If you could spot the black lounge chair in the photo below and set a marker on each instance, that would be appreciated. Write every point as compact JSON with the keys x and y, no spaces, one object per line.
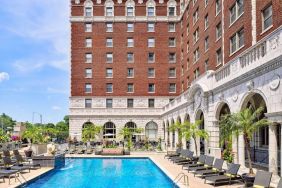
{"x":6,"y":153}
{"x":230,"y":175}
{"x":200,"y":162}
{"x":262,"y":179}
{"x":8,"y":164}
{"x":208,"y":165}
{"x":182,"y":155}
{"x":173,"y":154}
{"x":22,"y":162}
{"x":187,"y":158}
{"x":8,"y":173}
{"x":217,"y":168}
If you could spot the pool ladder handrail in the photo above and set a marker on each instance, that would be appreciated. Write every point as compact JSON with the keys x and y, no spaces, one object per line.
{"x":181,"y":176}
{"x":17,"y":175}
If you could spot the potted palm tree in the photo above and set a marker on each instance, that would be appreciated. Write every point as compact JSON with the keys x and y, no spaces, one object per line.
{"x":246,"y":122}
{"x":177,"y":126}
{"x":89,"y":133}
{"x":127,"y":134}
{"x":191,"y":130}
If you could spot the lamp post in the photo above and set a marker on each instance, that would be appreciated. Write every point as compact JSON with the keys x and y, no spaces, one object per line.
{"x":40,"y":115}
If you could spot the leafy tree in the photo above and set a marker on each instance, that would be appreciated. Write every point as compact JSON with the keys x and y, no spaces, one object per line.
{"x":246,"y":122}
{"x":90,"y":131}
{"x":191,"y":130}
{"x":66,"y":119}
{"x":127,"y":134}
{"x":33,"y":134}
{"x":6,"y":121}
{"x":3,"y":136}
{"x":63,"y":130}
{"x":177,"y":126}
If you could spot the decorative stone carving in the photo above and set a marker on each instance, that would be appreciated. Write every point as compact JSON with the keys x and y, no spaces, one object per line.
{"x":250,"y":85}
{"x":198,"y":99}
{"x":140,"y":1}
{"x":119,"y":1}
{"x":235,"y":96}
{"x":77,"y":2}
{"x":161,"y":1}
{"x":274,"y":82}
{"x":99,"y":2}
{"x":221,"y":96}
{"x":274,"y":42}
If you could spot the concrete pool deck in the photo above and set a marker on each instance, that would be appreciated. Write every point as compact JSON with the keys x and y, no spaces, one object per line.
{"x":169,"y":168}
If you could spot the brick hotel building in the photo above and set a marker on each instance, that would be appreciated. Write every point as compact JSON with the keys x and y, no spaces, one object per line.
{"x":150,"y":63}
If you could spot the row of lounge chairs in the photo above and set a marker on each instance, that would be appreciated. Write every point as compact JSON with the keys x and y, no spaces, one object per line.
{"x":80,"y":150}
{"x":211,"y":169}
{"x":12,"y":167}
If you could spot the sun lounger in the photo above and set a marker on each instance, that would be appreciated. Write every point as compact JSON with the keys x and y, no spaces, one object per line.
{"x":208,"y":165}
{"x":9,"y":164}
{"x":217,"y":168}
{"x":230,"y":175}
{"x":182,"y":155}
{"x":262,"y":179}
{"x":8,"y":173}
{"x":21,"y":161}
{"x":187,"y":158}
{"x":200,"y":162}
{"x":173,"y":154}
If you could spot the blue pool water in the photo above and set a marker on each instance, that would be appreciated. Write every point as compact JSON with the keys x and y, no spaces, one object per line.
{"x":105,"y":173}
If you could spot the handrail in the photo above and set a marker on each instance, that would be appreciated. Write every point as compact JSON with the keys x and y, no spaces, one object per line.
{"x":18,"y":174}
{"x":181,"y":176}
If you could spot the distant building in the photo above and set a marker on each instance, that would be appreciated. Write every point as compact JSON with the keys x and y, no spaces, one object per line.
{"x":19,"y":129}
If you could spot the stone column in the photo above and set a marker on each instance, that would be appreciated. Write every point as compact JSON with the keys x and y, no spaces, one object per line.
{"x":176,"y":139}
{"x":273,"y":149}
{"x":241,"y":150}
{"x":170,"y":138}
{"x":235,"y":148}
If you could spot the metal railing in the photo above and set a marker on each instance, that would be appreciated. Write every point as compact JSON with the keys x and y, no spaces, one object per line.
{"x":179,"y":177}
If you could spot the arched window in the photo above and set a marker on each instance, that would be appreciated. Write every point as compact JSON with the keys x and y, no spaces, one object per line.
{"x":171,"y":8}
{"x":151,"y":130}
{"x":88,"y":8}
{"x":109,"y":8}
{"x":151,"y":8}
{"x":131,"y":125}
{"x":130,"y":8}
{"x":109,"y":130}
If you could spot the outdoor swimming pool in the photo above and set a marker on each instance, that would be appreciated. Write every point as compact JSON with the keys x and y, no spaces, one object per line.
{"x":105,"y":173}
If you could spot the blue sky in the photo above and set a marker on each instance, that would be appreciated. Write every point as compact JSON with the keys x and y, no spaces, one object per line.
{"x":34,"y":59}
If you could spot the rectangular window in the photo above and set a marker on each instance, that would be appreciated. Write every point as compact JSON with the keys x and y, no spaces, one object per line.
{"x":172,"y":73}
{"x":206,"y":65}
{"x":88,"y":103}
{"x":182,"y":86}
{"x":88,"y":88}
{"x":267,"y":17}
{"x":196,"y":55}
{"x":151,"y":11}
{"x":88,"y":42}
{"x":196,"y":73}
{"x":172,"y":57}
{"x":171,"y":27}
{"x":217,"y":6}
{"x":130,"y":27}
{"x":236,"y":10}
{"x":151,"y":42}
{"x":109,"y":72}
{"x":130,"y":42}
{"x":129,"y":11}
{"x":151,"y":57}
{"x":109,"y":42}
{"x":151,"y":88}
{"x":187,"y":30}
{"x":206,"y":43}
{"x":88,"y":11}
{"x":130,"y":57}
{"x":151,"y":103}
{"x":109,"y":27}
{"x":130,"y":72}
{"x":206,"y":3}
{"x":206,"y":21}
{"x":218,"y":56}
{"x":218,"y":31}
{"x":88,"y":58}
{"x":109,"y":57}
{"x":88,"y":27}
{"x":151,"y":73}
{"x":151,"y":27}
{"x":130,"y":88}
{"x":109,"y":103}
{"x":172,"y":88}
{"x":196,"y":35}
{"x":130,"y":103}
{"x":88,"y":73}
{"x":171,"y":42}
{"x":109,"y":87}
{"x":188,"y":81}
{"x":171,"y":11}
{"x":109,"y":11}
{"x":237,"y":41}
{"x":182,"y":70}
{"x":196,"y":16}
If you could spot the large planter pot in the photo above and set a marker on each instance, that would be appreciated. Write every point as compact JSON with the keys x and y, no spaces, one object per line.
{"x":248,"y":179}
{"x":28,"y":153}
{"x":39,"y":149}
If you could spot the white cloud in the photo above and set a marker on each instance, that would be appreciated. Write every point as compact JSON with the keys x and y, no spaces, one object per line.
{"x":4,"y":76}
{"x":56,"y":108}
{"x":41,"y":21}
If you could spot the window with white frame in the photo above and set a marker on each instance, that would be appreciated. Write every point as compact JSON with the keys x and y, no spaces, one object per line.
{"x":130,"y":57}
{"x":109,"y":87}
{"x":218,"y":31}
{"x":172,"y":11}
{"x":194,"y":2}
{"x":151,"y":73}
{"x":129,"y":11}
{"x":88,"y":11}
{"x":217,"y":6}
{"x":171,"y":42}
{"x":130,"y":103}
{"x":150,"y":11}
{"x":130,"y":88}
{"x":130,"y":72}
{"x":206,"y":43}
{"x":187,"y":30}
{"x":171,"y":27}
{"x":267,"y":18}
{"x":151,"y":103}
{"x":172,"y":57}
{"x":130,"y":42}
{"x":151,"y":57}
{"x":172,"y":88}
{"x":196,"y":16}
{"x":196,"y":35}
{"x":218,"y":57}
{"x":109,"y":72}
{"x":237,"y":41}
{"x":151,"y":42}
{"x":196,"y":73}
{"x":151,"y":27}
{"x":207,"y":65}
{"x":109,"y":42}
{"x":109,"y":27}
{"x":236,"y":10}
{"x":151,"y":88}
{"x":182,"y":86}
{"x":206,"y":21}
{"x":109,"y":11}
{"x":88,"y":103}
{"x":88,"y":88}
{"x":196,"y":55}
{"x":206,"y":3}
{"x":109,"y":57}
{"x":130,"y":27}
{"x":88,"y":58}
{"x":109,"y":103}
{"x":88,"y":73}
{"x":88,"y":42}
{"x":172,"y":72}
{"x":88,"y":27}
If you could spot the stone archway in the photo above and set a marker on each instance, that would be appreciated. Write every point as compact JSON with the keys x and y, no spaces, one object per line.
{"x":200,"y":116}
{"x":131,"y":125}
{"x":168,"y":131}
{"x":151,"y":130}
{"x":187,"y":119}
{"x":173,"y":135}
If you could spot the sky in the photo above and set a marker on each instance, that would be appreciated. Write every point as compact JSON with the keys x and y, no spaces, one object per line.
{"x":34,"y":59}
